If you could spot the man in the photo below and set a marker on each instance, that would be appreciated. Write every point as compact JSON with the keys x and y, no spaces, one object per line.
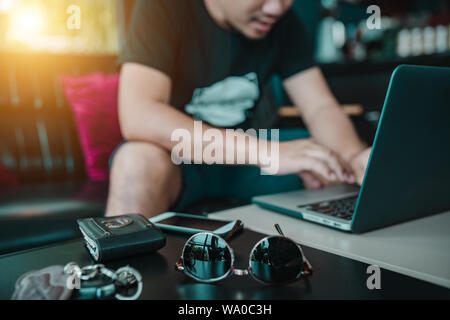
{"x":209,"y":60}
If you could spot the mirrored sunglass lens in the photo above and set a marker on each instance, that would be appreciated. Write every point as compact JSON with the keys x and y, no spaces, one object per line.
{"x":276,"y":260}
{"x":207,"y":257}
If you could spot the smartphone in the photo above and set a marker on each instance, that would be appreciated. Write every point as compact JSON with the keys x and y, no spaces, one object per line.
{"x":189,"y":224}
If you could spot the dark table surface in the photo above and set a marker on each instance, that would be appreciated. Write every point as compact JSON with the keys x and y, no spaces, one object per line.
{"x":335,"y":277}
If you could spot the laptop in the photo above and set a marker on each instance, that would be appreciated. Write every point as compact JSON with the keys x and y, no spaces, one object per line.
{"x":408,"y":174}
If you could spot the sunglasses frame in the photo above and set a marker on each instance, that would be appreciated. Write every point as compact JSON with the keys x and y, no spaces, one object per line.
{"x":307,"y":268}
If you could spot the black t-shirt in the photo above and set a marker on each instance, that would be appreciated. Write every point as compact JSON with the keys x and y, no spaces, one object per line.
{"x":218,"y":75}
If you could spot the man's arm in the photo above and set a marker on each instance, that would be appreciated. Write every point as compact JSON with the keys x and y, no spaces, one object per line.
{"x":145,"y":115}
{"x":323,"y":116}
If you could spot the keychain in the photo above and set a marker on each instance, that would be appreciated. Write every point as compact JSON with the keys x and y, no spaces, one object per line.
{"x":127,"y":278}
{"x":74,"y":282}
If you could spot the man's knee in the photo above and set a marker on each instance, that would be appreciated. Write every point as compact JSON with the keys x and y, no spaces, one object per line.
{"x":142,"y":156}
{"x":143,"y":179}
{"x":144,"y":168}
{"x":143,"y":165}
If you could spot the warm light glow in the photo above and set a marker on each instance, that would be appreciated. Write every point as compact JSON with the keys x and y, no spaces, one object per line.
{"x":42,"y":25}
{"x":7,"y":5}
{"x":27,"y":22}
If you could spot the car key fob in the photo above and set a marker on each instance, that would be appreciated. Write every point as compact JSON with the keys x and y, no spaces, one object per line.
{"x":121,"y":236}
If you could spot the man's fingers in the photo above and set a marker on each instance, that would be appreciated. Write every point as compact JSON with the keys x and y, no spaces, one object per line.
{"x":359,"y":173}
{"x":339,"y":166}
{"x":359,"y":165}
{"x":360,"y":179}
{"x":330,"y":159}
{"x":319,"y":167}
{"x":310,"y":181}
{"x":348,"y":171}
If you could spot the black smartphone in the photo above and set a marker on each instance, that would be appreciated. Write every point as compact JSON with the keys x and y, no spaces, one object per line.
{"x":189,"y":224}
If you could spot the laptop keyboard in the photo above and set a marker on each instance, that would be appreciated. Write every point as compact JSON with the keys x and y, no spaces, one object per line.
{"x":342,"y":208}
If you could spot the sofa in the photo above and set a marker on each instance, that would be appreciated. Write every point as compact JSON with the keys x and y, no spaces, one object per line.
{"x":43,"y":182}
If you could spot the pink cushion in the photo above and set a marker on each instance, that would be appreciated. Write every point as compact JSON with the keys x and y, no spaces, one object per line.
{"x":93,"y":99}
{"x":7,"y":179}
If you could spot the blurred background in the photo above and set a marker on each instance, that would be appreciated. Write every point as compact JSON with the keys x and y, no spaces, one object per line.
{"x":44,"y":166}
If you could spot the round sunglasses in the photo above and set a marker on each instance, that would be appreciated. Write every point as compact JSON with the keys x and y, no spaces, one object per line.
{"x":274,"y":260}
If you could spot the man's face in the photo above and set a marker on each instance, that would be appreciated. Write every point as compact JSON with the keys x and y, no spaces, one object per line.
{"x":254,"y":18}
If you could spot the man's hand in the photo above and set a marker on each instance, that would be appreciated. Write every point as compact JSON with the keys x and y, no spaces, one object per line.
{"x":326,"y":122}
{"x":359,"y":163}
{"x":314,"y":163}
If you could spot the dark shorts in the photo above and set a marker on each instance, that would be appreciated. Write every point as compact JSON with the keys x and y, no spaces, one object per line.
{"x":202,"y":182}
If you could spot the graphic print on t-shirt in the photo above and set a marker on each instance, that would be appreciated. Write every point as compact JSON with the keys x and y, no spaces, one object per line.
{"x":224,"y":104}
